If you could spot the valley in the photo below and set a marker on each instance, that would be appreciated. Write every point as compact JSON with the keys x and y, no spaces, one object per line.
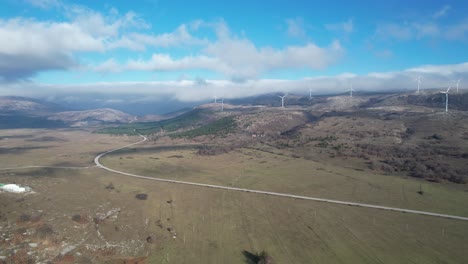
{"x":357,"y":154}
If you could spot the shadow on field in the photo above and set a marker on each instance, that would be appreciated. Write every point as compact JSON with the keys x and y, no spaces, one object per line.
{"x":20,"y":150}
{"x":250,"y":258}
{"x":47,"y":139}
{"x":258,"y":258}
{"x":41,"y":172}
{"x":155,"y":149}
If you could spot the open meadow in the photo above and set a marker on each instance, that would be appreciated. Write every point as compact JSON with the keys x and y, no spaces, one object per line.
{"x":91,"y":215}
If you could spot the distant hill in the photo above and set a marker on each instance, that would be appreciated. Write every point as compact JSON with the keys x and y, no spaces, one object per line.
{"x":92,"y":117}
{"x":433,"y":99}
{"x":22,"y":112}
{"x":190,"y":119}
{"x":23,"y":121}
{"x":23,"y":105}
{"x":427,"y":98}
{"x":272,"y":100}
{"x":155,"y":118}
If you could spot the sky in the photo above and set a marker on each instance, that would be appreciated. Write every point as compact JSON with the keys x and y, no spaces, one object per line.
{"x":189,"y":51}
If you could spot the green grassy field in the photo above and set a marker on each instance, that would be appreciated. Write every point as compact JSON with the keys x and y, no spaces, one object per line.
{"x":64,"y":147}
{"x":216,"y":226}
{"x":247,"y":168}
{"x":190,"y":118}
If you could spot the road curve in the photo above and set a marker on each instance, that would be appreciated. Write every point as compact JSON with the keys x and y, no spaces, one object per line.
{"x":402,"y":210}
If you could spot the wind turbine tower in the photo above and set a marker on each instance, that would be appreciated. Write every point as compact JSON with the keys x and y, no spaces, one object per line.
{"x":310,"y":93}
{"x":458,"y":83}
{"x":419,"y":83}
{"x":282,"y":100}
{"x":446,"y":97}
{"x":215,"y":99}
{"x":351,"y":90}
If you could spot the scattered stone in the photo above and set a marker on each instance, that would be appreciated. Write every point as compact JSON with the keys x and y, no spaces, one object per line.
{"x":76,"y":218}
{"x":36,"y":217}
{"x":97,"y":220}
{"x":176,"y":156}
{"x":24,"y":218}
{"x":159,"y":224}
{"x":141,"y":196}
{"x":44,"y":231}
{"x":110,"y":186}
{"x":79,"y":219}
{"x":33,"y":245}
{"x":150,"y":240}
{"x":68,"y":249}
{"x":169,"y":202}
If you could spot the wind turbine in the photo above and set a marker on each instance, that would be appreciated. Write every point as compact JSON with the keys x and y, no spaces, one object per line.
{"x":215,"y":99}
{"x":282,"y":100}
{"x":458,"y":83}
{"x":351,"y":90}
{"x":446,"y":97}
{"x":419,"y":82}
{"x":310,"y":93}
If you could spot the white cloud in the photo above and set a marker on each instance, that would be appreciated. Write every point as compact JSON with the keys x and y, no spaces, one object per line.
{"x":426,"y":27}
{"x":243,"y":61}
{"x":345,"y":27}
{"x":412,"y":30}
{"x":434,"y":76}
{"x":443,"y":70}
{"x":28,"y":46}
{"x":239,"y":58}
{"x":33,"y":46}
{"x":296,"y":27}
{"x":457,"y":31}
{"x":164,"y":62}
{"x":138,"y":41}
{"x":442,"y":12}
{"x":396,"y":31}
{"x":23,"y":36}
{"x":384,"y":54}
{"x":109,"y":66}
{"x":45,"y":4}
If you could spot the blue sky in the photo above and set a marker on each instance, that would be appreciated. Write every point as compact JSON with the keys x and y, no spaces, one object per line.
{"x":189,"y":50}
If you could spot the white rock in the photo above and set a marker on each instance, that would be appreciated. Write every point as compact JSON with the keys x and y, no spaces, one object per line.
{"x":15,"y":188}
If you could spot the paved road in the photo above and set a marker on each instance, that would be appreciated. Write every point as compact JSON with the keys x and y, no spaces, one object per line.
{"x":402,"y":210}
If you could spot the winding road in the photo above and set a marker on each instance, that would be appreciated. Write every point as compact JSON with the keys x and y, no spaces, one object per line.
{"x":402,"y":210}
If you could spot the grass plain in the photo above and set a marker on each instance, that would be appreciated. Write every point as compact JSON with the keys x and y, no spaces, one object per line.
{"x":186,"y":224}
